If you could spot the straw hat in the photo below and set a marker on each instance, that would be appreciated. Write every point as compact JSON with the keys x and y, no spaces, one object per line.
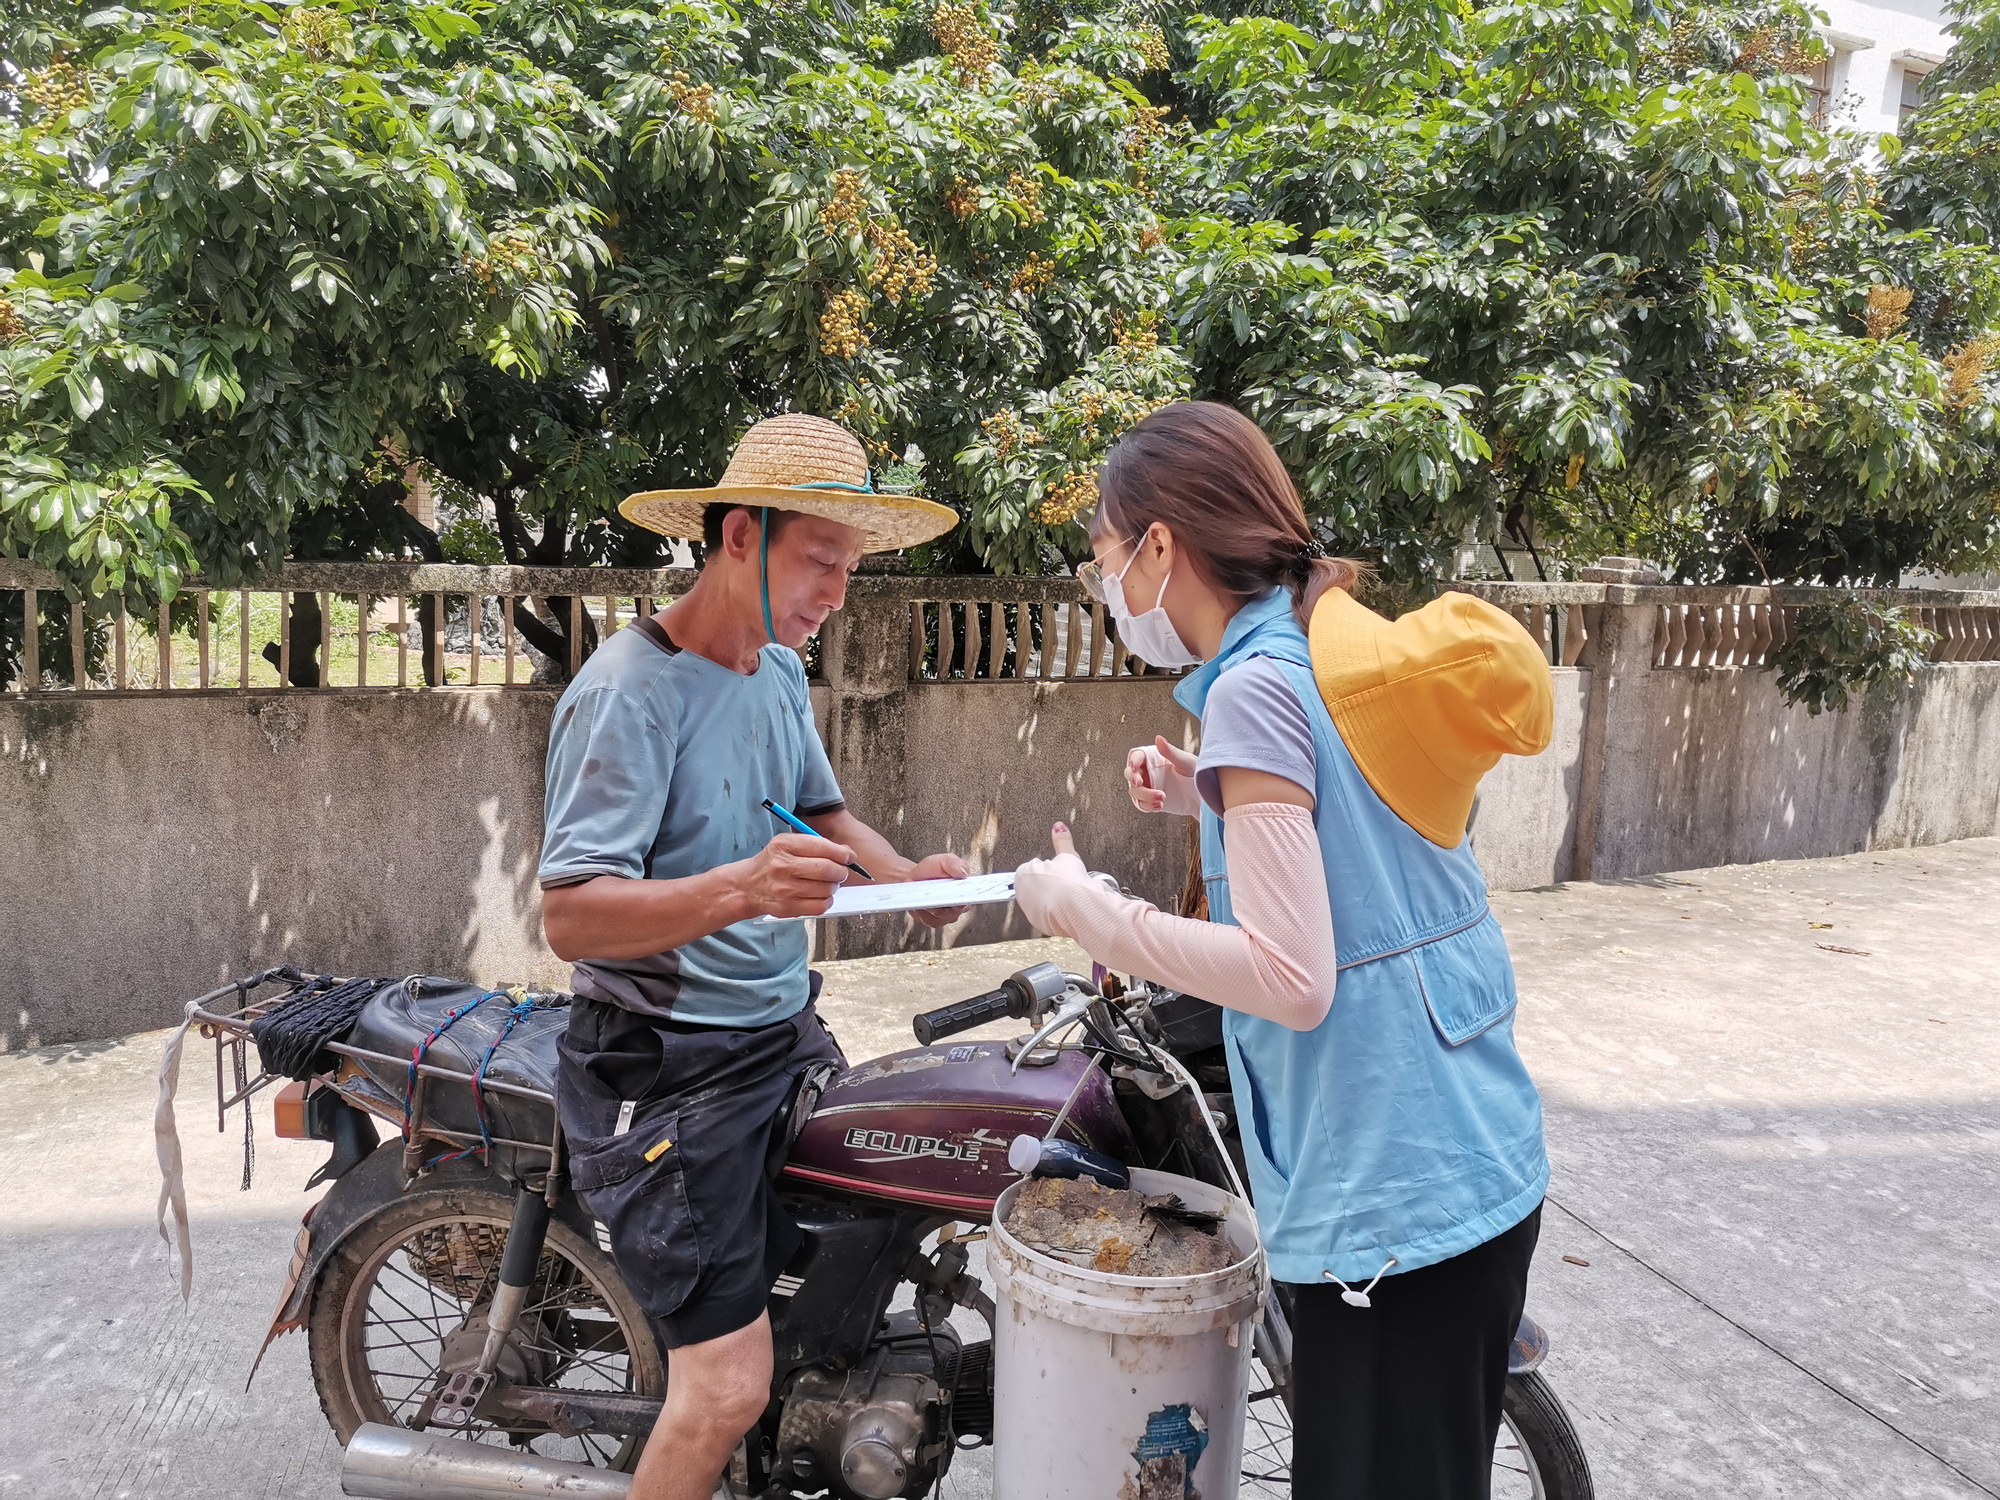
{"x":801,"y":463}
{"x":1428,"y":703}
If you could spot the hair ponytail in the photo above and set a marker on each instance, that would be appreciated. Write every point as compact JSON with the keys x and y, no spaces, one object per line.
{"x":1208,"y":473}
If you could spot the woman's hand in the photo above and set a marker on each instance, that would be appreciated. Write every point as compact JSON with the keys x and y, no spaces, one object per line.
{"x":1040,"y":884}
{"x":938,"y":867}
{"x":1160,"y":778}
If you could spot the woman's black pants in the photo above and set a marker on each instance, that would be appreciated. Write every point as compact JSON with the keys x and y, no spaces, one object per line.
{"x":1401,"y":1400}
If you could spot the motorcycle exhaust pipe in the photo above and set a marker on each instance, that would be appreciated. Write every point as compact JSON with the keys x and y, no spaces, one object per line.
{"x":395,"y":1463}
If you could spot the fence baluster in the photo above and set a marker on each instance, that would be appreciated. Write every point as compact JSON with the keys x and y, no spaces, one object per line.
{"x":326,"y":640}
{"x":201,"y":638}
{"x":1576,"y":636}
{"x":507,"y":634}
{"x":916,"y":642}
{"x":474,"y":612}
{"x":402,"y":640}
{"x":364,"y":605}
{"x":165,"y":642}
{"x":947,"y":639}
{"x":972,"y":624}
{"x":442,"y":671}
{"x":243,"y":638}
{"x":996,"y":643}
{"x":118,"y":647}
{"x":284,"y":639}
{"x":575,"y":635}
{"x":1045,"y":658}
{"x":1072,"y":614}
{"x":78,"y":656}
{"x":31,"y":632}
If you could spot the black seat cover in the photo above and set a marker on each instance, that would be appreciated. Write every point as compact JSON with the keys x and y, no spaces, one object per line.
{"x":398,"y":1017}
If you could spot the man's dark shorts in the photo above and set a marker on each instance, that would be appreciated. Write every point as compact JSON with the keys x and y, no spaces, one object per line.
{"x":691,"y":1216}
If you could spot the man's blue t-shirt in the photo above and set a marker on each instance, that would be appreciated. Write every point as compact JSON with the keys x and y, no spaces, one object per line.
{"x":659,"y":761}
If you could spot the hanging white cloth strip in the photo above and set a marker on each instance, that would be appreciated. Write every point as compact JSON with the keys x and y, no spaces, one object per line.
{"x":167,"y":1146}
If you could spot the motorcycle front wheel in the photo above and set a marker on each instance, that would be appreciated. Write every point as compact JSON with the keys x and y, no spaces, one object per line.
{"x":403,"y":1302}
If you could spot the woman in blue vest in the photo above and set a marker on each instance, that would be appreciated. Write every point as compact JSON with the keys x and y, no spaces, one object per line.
{"x":1393,"y":1136}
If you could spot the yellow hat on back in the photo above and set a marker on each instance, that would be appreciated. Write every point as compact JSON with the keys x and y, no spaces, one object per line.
{"x":1428,"y":703}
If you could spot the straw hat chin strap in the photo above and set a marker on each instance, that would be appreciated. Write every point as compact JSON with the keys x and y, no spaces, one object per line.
{"x":866,"y":487}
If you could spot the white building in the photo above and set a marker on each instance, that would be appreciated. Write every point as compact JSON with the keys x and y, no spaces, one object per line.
{"x":1882,"y":53}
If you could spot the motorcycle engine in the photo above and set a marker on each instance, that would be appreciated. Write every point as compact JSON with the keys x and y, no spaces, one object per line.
{"x":873,"y":1432}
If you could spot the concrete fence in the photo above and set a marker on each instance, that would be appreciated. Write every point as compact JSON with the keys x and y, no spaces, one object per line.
{"x":190,"y":812}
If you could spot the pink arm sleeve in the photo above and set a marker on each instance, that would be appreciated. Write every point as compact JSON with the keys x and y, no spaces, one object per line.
{"x":1278,"y":964}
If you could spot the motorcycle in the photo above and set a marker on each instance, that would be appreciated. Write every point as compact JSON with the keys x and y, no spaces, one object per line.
{"x":449,"y":1284}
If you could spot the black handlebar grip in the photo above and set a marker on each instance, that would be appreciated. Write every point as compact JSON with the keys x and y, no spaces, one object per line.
{"x":935,"y":1025}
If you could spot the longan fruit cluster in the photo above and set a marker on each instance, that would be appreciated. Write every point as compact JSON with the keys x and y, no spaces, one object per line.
{"x":59,"y":88}
{"x":900,"y":267}
{"x":1008,"y":433}
{"x":695,"y":100}
{"x":511,"y":254}
{"x":843,"y":327}
{"x":971,"y":49}
{"x":1036,"y":272}
{"x":962,"y":199}
{"x":1068,"y":498}
{"x":1027,"y":191}
{"x":848,"y":205}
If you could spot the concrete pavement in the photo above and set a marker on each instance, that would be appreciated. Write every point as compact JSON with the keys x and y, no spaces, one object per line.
{"x":1774,"y":1110}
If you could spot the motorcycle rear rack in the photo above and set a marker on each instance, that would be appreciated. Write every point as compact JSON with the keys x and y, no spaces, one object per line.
{"x":230,"y":1031}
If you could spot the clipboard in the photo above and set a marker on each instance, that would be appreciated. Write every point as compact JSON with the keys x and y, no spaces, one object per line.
{"x":915,"y":895}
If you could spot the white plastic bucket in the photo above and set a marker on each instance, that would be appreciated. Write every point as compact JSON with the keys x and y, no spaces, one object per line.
{"x":1092,"y":1371}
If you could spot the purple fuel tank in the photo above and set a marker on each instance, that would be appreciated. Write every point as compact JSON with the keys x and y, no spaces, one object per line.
{"x":930,"y":1127}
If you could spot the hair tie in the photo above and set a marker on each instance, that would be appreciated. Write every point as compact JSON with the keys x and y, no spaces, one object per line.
{"x":1311,"y":552}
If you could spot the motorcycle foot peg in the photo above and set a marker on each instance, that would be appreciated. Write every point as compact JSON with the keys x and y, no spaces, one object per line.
{"x":460,"y":1398}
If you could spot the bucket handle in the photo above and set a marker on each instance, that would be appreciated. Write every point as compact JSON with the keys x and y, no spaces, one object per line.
{"x":1173,"y":1065}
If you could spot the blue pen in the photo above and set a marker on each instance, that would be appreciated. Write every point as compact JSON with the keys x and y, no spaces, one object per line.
{"x":792,"y":819}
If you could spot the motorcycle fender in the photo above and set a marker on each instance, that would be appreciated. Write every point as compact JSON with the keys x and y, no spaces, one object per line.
{"x":355,"y":1197}
{"x":1529,"y":1349}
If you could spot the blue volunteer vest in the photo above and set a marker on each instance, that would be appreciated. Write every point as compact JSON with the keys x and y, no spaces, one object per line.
{"x":1405,"y":1125}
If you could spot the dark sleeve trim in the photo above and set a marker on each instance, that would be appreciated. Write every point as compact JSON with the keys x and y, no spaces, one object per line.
{"x":822,"y":809}
{"x":653,"y":631}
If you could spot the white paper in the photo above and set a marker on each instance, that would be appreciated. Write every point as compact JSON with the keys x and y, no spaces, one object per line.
{"x":916,"y":895}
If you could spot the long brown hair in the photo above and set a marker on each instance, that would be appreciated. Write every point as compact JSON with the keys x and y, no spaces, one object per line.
{"x":1211,"y":476}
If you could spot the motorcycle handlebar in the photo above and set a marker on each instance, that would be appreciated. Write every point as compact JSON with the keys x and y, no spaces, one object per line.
{"x":949,"y":1020}
{"x":1019,"y":997}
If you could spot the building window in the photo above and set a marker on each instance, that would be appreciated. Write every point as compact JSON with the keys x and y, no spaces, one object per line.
{"x":1819,"y":89}
{"x":1913,"y":93}
{"x":1916,"y":65}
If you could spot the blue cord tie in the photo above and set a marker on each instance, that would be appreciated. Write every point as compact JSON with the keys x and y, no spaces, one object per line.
{"x":866,"y":487}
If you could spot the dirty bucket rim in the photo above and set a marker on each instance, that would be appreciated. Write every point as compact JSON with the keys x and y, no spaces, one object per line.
{"x":1013,"y":1246}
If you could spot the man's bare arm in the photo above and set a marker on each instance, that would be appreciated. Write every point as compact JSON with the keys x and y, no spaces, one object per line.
{"x":613,"y":917}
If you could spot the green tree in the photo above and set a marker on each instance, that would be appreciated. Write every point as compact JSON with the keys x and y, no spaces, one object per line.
{"x":1582,"y":272}
{"x":259,"y":257}
{"x":1588,"y":272}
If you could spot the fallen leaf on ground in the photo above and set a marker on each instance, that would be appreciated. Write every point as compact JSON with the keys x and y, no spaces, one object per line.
{"x":1836,"y":948}
{"x":1576,"y":1260}
{"x":1820,"y":926}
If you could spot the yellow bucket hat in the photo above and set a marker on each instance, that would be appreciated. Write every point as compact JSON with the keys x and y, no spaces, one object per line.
{"x":802,"y":463}
{"x":1428,"y":703}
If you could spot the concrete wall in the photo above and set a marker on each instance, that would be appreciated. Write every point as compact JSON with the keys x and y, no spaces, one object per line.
{"x":1706,"y":766}
{"x":155,"y":844}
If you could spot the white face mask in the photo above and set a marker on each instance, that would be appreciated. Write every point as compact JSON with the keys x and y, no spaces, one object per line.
{"x":1151,"y":635}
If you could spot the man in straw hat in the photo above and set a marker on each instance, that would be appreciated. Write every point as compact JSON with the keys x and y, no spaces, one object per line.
{"x":693,"y":1021}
